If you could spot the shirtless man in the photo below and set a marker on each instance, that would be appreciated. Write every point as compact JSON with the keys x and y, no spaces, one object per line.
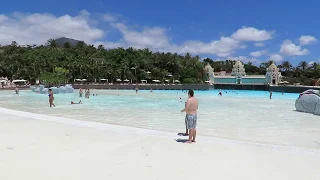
{"x":191,"y":116}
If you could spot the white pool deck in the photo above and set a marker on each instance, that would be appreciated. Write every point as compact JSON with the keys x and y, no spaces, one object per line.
{"x":42,"y":147}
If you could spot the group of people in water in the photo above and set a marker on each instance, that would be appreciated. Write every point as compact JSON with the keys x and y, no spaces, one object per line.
{"x":86,"y":93}
{"x":270,"y":93}
{"x":51,"y":96}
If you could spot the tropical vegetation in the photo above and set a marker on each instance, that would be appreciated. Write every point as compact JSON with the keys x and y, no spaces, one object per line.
{"x":56,"y":63}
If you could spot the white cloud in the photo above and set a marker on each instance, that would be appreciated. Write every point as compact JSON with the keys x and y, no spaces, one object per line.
{"x":38,"y":28}
{"x":3,"y":18}
{"x":243,"y":46}
{"x":276,"y":57}
{"x":252,"y":34}
{"x":108,"y":44}
{"x":154,"y":37}
{"x":223,"y":47}
{"x":310,"y":63}
{"x":290,"y":49}
{"x":245,"y":59}
{"x":258,"y":53}
{"x":259,"y":44}
{"x":157,"y":39}
{"x":306,"y":40}
{"x":109,"y":18}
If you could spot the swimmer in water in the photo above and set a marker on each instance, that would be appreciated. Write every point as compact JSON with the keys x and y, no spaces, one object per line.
{"x":220,"y":93}
{"x":51,"y":98}
{"x":17,"y":91}
{"x":80,"y":102}
{"x":270,"y":94}
{"x":151,"y":90}
{"x":180,"y":100}
{"x":137,"y":89}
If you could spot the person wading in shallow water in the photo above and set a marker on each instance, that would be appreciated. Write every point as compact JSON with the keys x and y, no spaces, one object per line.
{"x":51,"y":98}
{"x":16,"y":91}
{"x":80,"y":92}
{"x":191,"y":116}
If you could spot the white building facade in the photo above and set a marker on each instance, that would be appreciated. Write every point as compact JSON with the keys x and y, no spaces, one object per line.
{"x":239,"y":76}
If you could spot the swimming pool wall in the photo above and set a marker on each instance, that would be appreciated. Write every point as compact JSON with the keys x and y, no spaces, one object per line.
{"x":285,"y":89}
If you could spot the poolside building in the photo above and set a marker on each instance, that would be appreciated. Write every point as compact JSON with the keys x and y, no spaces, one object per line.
{"x":238,"y":75}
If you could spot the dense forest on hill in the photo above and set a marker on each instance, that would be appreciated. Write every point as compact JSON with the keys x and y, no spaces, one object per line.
{"x":77,"y":60}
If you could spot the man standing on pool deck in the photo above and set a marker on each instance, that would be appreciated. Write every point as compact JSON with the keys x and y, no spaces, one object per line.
{"x":191,"y":116}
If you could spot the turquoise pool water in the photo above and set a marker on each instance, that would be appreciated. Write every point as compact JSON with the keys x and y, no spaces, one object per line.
{"x":241,"y":115}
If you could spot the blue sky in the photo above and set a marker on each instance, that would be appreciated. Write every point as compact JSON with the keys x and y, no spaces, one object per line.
{"x":216,"y":29}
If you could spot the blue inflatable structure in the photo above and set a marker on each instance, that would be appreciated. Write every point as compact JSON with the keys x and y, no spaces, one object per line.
{"x":56,"y":90}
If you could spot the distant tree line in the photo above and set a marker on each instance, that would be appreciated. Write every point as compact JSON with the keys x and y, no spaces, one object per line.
{"x":82,"y":61}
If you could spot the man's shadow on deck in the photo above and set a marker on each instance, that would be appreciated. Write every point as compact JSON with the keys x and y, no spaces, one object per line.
{"x":181,"y":140}
{"x":182,"y":134}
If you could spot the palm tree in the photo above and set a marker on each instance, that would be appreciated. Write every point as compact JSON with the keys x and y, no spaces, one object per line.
{"x":53,"y":43}
{"x":67,"y":45}
{"x":101,"y":47}
{"x":286,"y":65}
{"x":81,"y":44}
{"x":303,"y":65}
{"x":314,"y":65}
{"x":14,"y":43}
